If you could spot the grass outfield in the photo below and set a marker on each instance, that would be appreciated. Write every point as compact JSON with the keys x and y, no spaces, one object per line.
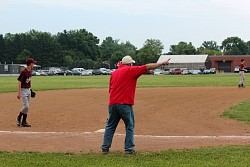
{"x":9,"y":84}
{"x":207,"y":157}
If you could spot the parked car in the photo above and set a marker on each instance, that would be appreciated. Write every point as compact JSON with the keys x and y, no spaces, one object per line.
{"x":248,"y":69}
{"x":35,"y":73}
{"x":78,"y":69}
{"x":212,"y":70}
{"x":165,"y":72}
{"x":195,"y":72}
{"x":54,"y":70}
{"x":43,"y":72}
{"x":96,"y":72}
{"x":206,"y":71}
{"x":108,"y":71}
{"x":158,"y":71}
{"x":86,"y":72}
{"x":186,"y":72}
{"x":175,"y":71}
{"x":104,"y":71}
{"x":236,"y":69}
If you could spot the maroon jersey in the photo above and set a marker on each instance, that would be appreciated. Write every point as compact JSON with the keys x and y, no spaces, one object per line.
{"x":25,"y":78}
{"x":241,"y":67}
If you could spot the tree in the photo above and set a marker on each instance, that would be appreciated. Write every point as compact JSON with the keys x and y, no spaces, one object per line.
{"x":45,"y":49}
{"x":248,"y":47}
{"x":2,"y":48}
{"x":210,"y":48}
{"x":80,"y":40}
{"x":68,"y":61}
{"x":150,"y":52}
{"x":182,"y":48}
{"x":23,"y":56}
{"x":109,"y":49}
{"x":50,"y":50}
{"x":10,"y":48}
{"x":209,"y":52}
{"x":122,"y":50}
{"x":210,"y":45}
{"x":128,"y":49}
{"x":234,"y":46}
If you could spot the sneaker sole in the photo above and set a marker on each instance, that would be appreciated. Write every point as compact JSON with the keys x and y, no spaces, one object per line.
{"x":105,"y":153}
{"x":25,"y":125}
{"x":130,"y":152}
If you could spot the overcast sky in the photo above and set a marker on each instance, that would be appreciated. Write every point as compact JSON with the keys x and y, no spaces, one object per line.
{"x":170,"y":21}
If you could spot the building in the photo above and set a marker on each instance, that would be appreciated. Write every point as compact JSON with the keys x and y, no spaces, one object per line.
{"x":10,"y":68}
{"x":186,"y":61}
{"x":229,"y":62}
{"x":13,"y":69}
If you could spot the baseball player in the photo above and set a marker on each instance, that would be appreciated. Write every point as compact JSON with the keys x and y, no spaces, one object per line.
{"x":242,"y":73}
{"x":122,"y":87}
{"x":24,"y":84}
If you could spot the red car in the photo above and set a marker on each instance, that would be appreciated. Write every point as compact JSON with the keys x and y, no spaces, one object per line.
{"x":175,"y":71}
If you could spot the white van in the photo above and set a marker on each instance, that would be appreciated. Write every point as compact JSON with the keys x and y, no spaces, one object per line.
{"x":80,"y":70}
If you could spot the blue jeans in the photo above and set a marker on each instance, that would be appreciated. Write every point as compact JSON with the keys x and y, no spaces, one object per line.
{"x":117,"y":112}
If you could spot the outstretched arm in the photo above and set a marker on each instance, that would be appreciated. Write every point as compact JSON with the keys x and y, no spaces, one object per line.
{"x":152,"y":66}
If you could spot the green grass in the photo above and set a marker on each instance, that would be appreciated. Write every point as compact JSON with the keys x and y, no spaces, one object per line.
{"x":239,"y":112}
{"x":221,"y":156}
{"x":188,"y":80}
{"x":9,"y":84}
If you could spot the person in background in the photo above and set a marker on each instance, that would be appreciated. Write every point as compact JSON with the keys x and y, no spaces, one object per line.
{"x":242,"y":71}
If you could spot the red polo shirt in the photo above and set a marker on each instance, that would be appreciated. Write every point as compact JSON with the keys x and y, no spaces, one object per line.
{"x":123,"y":83}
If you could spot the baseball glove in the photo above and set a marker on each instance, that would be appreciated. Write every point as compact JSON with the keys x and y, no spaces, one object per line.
{"x":33,"y":94}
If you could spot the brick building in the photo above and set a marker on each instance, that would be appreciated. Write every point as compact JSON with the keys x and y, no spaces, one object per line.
{"x":229,"y":62}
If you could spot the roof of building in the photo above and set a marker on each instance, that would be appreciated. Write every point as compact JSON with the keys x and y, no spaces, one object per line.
{"x":183,"y":58}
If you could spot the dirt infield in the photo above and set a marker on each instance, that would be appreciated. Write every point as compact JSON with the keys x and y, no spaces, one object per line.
{"x":71,"y":120}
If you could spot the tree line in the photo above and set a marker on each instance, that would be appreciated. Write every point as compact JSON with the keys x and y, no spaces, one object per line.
{"x":80,"y":48}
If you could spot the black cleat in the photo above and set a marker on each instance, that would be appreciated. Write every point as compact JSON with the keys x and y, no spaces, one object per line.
{"x":25,"y":124}
{"x":18,"y":121}
{"x":105,"y":152}
{"x":130,"y":152}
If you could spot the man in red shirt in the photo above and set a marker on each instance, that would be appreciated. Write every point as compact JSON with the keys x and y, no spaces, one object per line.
{"x":24,"y":84}
{"x":122,"y":91}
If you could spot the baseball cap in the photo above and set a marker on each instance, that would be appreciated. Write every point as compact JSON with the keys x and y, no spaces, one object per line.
{"x":30,"y":60}
{"x":127,"y":60}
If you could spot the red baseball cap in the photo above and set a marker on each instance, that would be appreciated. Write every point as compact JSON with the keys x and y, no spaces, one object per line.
{"x":30,"y":60}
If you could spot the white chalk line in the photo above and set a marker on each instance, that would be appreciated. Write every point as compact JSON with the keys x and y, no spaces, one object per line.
{"x":228,"y":137}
